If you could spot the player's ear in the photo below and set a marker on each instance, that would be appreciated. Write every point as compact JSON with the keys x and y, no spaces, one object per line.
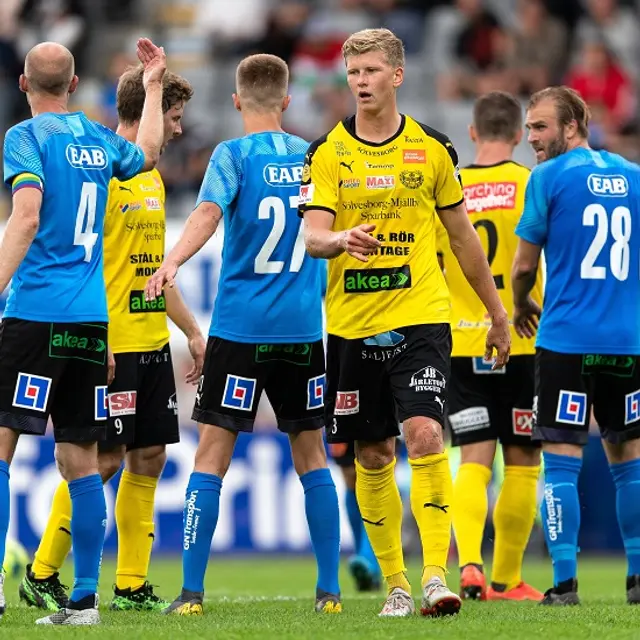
{"x":236,"y":101}
{"x":398,"y":77}
{"x":472,"y":133}
{"x":23,"y":83}
{"x":74,"y":84}
{"x":518,"y":138}
{"x":286,"y":101}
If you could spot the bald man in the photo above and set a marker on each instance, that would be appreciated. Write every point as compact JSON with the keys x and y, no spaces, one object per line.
{"x":53,"y":336}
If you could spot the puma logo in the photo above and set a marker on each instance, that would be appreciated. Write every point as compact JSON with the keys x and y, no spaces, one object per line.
{"x":437,"y":506}
{"x":348,"y":165}
{"x":375,"y":524}
{"x":125,"y":189}
{"x":440,"y":402}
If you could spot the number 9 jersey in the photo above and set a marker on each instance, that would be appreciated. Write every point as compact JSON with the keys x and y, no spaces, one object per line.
{"x":583,"y":207}
{"x":494,"y":197}
{"x":255,"y":180}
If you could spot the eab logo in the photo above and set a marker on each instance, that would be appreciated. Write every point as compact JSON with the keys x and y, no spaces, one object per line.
{"x":373,"y":280}
{"x":139,"y":304}
{"x":613,"y":186}
{"x":283,"y":175}
{"x":81,"y":157}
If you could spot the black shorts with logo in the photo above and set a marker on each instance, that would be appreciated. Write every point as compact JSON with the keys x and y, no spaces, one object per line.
{"x":143,"y":411}
{"x":236,"y":373}
{"x":491,"y":405}
{"x":568,"y":385}
{"x":374,"y":383}
{"x":56,"y":369}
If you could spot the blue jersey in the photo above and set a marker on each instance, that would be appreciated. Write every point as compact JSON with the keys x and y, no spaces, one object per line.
{"x":269,"y":288}
{"x":583,"y":207}
{"x":61,"y":277}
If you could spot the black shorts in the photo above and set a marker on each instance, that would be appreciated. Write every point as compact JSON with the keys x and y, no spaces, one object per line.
{"x":568,"y":385}
{"x":236,"y":373}
{"x":491,"y":405}
{"x":143,"y":411}
{"x":55,"y":369}
{"x":374,"y":383}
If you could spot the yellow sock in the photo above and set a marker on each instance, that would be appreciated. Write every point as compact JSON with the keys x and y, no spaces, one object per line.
{"x":134,"y":520}
{"x":513,"y":519}
{"x":381,"y":510}
{"x":470,"y":507}
{"x":56,"y":539}
{"x":431,"y":498}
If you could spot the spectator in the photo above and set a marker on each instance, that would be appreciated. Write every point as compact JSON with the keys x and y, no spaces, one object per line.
{"x":407,"y":23}
{"x":284,"y":29}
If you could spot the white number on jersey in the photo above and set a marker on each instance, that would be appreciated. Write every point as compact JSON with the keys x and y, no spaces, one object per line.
{"x":620,"y":229}
{"x":86,"y":208}
{"x":263,"y":263}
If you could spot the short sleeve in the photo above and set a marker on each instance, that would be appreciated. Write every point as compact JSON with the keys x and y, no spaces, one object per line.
{"x":533,"y":223}
{"x":449,"y":192}
{"x":319,"y":187}
{"x":222,"y":179}
{"x":21,"y":154}
{"x":129,"y":161}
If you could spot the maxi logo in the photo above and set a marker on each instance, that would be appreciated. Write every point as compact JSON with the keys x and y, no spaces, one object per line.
{"x":79,"y":342}
{"x":139,"y":304}
{"x":31,"y":392}
{"x":374,"y":280}
{"x":299,"y":354}
{"x":315,"y":392}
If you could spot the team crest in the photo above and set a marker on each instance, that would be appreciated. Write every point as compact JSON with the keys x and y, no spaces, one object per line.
{"x":412,"y":179}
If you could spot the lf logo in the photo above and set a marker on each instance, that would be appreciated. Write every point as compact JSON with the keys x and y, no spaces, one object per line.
{"x":572,"y":407}
{"x":522,"y":422}
{"x":101,"y":404}
{"x":315,"y":392}
{"x":632,"y":407}
{"x":239,"y":393}
{"x":347,"y":403}
{"x":32,"y":392}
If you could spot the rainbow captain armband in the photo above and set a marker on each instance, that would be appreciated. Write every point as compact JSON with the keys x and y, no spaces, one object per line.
{"x":24,"y":180}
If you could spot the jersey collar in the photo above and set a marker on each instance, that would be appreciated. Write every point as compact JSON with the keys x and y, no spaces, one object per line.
{"x":349,"y":124}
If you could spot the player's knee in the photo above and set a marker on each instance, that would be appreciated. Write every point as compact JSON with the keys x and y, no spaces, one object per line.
{"x":76,"y":460}
{"x":423,"y":436}
{"x":109,"y":463}
{"x":307,"y":451}
{"x":376,"y":455}
{"x":517,"y":456}
{"x":148,"y":461}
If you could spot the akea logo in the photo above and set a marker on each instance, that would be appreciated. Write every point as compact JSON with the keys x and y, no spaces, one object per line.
{"x":139,"y":304}
{"x":80,"y":343}
{"x":373,"y":280}
{"x":299,"y":353}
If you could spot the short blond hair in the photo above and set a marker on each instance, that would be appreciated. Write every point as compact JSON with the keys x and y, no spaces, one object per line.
{"x":375,"y":40}
{"x":569,"y":105}
{"x":262,"y":81}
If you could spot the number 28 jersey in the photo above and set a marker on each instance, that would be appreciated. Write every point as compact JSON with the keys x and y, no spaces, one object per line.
{"x":494,"y":197}
{"x":583,"y":207}
{"x":269,"y":288}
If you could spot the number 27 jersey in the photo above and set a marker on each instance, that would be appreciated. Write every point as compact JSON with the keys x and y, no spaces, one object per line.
{"x":269,"y":288}
{"x":583,"y":207}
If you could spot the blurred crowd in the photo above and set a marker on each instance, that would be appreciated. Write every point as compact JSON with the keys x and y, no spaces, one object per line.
{"x":456,"y":50}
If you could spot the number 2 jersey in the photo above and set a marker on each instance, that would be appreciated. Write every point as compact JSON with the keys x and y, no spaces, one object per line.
{"x":71,"y":159}
{"x":583,"y":207}
{"x":494,"y":196}
{"x":269,"y":288}
{"x":134,"y":237}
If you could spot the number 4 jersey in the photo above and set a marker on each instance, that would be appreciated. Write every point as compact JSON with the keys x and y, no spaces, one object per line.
{"x":269,"y":288}
{"x":583,"y":207}
{"x":494,"y":196}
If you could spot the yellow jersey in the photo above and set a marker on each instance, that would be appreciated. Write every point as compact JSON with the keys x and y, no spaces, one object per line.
{"x":396,"y":185}
{"x":134,"y":233}
{"x":494,"y":197}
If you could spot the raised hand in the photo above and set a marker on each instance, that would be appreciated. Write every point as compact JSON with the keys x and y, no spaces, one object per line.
{"x":153,"y":59}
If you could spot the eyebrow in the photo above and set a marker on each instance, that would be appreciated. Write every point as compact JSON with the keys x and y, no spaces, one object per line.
{"x":528,"y":125}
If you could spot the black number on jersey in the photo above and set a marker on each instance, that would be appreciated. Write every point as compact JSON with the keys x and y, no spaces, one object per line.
{"x":492,"y":237}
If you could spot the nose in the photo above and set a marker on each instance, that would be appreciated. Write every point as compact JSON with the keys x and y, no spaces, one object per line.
{"x":178,"y":131}
{"x":531,"y":136}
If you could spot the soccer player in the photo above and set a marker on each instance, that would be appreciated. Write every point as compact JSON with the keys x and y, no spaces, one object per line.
{"x":371,"y":190}
{"x":266,"y":330}
{"x":363,"y":565}
{"x":53,"y":337}
{"x":487,"y":405}
{"x":142,"y":397}
{"x":581,"y":206}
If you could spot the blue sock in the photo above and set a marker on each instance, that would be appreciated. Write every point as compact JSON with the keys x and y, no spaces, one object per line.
{"x":201,"y":507}
{"x":626,"y":475}
{"x":323,"y":516}
{"x":355,"y":520}
{"x":5,"y":501}
{"x":561,"y":513}
{"x":88,"y":520}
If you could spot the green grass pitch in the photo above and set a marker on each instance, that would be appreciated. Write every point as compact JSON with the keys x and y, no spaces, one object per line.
{"x":272,"y":597}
